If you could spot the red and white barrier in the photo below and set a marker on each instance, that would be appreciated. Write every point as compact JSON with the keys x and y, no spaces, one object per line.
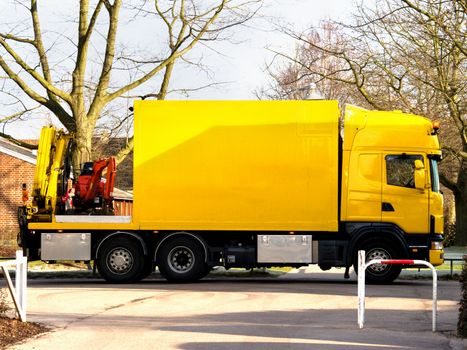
{"x":362,"y":266}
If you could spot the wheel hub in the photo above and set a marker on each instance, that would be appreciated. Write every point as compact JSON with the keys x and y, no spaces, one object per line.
{"x":120,"y":260}
{"x":181,"y":259}
{"x":378,"y":253}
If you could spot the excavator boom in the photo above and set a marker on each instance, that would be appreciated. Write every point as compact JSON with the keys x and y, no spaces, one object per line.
{"x":51,"y":152}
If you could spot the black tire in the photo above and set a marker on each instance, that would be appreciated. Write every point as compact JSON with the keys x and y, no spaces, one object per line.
{"x":182,"y":259}
{"x":148,"y":268}
{"x":121,"y":260}
{"x":377,"y":248}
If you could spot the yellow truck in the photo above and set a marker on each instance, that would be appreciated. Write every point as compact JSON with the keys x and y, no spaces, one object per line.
{"x":252,"y":184}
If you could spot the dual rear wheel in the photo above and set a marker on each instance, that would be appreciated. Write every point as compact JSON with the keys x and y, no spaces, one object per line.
{"x":182,"y":259}
{"x":122,"y":260}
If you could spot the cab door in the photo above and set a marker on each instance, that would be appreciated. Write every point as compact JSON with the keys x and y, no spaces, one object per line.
{"x":402,"y":203}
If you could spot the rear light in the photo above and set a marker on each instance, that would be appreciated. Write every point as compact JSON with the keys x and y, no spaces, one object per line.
{"x":24,"y":194}
{"x":437,"y":245}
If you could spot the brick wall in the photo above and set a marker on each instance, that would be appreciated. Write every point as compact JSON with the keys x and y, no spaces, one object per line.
{"x":13,"y":173}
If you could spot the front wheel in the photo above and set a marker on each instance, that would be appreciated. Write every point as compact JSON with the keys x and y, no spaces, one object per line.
{"x":182,"y":259}
{"x":379,"y":249}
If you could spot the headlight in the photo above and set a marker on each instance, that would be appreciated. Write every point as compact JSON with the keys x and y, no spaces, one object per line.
{"x":437,"y":245}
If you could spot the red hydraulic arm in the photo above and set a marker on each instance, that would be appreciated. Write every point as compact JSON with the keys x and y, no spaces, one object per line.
{"x":89,"y":186}
{"x":110,"y":179}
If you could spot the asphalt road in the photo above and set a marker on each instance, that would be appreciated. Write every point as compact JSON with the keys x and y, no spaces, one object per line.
{"x":298,"y":311}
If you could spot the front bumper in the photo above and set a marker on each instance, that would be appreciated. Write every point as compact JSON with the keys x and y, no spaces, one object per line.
{"x":436,"y":257}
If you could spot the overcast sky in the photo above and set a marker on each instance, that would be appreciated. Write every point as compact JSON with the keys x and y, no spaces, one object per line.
{"x":240,"y":66}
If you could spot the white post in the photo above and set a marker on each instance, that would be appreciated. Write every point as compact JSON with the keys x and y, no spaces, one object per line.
{"x":361,"y":288}
{"x":435,"y":296}
{"x":18,"y":277}
{"x":21,"y":283}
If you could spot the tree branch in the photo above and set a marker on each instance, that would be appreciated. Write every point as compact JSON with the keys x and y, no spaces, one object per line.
{"x":17,"y":114}
{"x":172,"y":57}
{"x":439,"y":22}
{"x":18,"y":142}
{"x":109,"y":55}
{"x":448,"y":183}
{"x":48,"y":86}
{"x":21,"y":83}
{"x":121,"y":155}
{"x":16,"y":38}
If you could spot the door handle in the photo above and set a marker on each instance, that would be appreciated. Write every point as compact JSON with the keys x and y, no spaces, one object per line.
{"x":387,"y":207}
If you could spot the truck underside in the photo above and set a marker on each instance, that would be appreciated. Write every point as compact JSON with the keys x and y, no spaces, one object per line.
{"x":129,"y":256}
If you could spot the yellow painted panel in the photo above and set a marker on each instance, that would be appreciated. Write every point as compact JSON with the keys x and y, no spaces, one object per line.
{"x":436,"y":210}
{"x":388,"y":130}
{"x":436,"y":257}
{"x":345,"y":184}
{"x":364,"y":187}
{"x":236,"y":165}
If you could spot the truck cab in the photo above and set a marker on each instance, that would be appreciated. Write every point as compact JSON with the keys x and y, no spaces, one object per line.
{"x":390,"y":180}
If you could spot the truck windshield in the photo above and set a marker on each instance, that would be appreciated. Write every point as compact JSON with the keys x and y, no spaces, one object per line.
{"x":434,"y":175}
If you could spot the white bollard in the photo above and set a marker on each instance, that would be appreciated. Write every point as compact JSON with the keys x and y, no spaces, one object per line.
{"x":435,"y":297}
{"x":21,"y":282}
{"x":361,"y":283}
{"x":361,"y":288}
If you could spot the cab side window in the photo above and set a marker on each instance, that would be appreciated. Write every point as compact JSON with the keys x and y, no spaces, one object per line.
{"x":400,"y":170}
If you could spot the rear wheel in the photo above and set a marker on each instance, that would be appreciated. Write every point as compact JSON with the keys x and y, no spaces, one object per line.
{"x":148,"y":268}
{"x":379,"y":249}
{"x":182,"y":259}
{"x":121,"y":260}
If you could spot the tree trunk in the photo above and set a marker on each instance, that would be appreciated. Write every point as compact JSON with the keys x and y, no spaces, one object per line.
{"x":461,"y":205}
{"x":81,"y":152}
{"x":450,"y":205}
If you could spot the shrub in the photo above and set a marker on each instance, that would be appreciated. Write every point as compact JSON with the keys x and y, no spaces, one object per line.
{"x":7,"y":251}
{"x":462,"y":323}
{"x":449,"y":234}
{"x":4,"y":305}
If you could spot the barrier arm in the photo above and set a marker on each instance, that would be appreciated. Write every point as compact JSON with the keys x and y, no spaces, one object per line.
{"x":362,"y":266}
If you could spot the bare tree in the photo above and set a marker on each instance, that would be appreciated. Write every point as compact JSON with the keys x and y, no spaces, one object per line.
{"x":83,"y":86}
{"x":22,"y":113}
{"x":312,"y":65}
{"x":408,"y":55}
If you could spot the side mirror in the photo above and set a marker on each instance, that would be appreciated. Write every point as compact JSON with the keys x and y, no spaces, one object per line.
{"x":419,"y":175}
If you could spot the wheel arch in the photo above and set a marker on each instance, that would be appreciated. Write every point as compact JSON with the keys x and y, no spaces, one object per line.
{"x":118,"y":234}
{"x":385,"y":232}
{"x":183,"y":233}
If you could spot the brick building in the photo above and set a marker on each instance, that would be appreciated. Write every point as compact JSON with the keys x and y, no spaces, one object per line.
{"x":16,"y":167}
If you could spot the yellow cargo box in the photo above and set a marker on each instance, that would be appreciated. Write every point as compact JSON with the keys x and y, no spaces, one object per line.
{"x":236,"y":165}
